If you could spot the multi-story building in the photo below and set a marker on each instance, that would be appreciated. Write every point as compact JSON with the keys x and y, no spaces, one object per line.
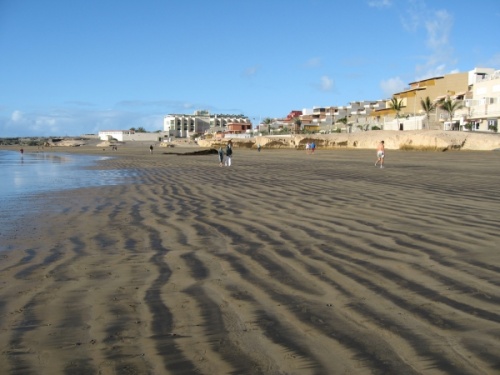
{"x":482,"y":111}
{"x":469,"y":89}
{"x":477,"y":90}
{"x":182,"y":125}
{"x":351,"y":117}
{"x":412,"y":116}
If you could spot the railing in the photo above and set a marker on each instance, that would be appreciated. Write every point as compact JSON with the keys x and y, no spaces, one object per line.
{"x":489,"y":77}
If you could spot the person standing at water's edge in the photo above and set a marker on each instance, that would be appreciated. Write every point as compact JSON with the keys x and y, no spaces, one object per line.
{"x":151,"y":149}
{"x":380,"y":154}
{"x":229,"y":154}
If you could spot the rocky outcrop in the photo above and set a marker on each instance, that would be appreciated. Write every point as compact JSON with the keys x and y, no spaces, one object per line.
{"x":66,"y":143}
{"x":396,"y":140}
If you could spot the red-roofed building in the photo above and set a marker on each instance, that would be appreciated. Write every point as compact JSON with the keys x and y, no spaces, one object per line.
{"x":292,"y":115}
{"x":238,"y":127}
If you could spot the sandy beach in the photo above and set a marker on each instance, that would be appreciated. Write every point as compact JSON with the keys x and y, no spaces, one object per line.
{"x":284,"y":263}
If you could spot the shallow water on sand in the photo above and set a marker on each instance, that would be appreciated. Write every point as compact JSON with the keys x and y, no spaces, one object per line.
{"x":25,"y":176}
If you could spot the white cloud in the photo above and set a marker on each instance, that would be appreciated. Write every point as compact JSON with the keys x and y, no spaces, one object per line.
{"x":415,"y":15}
{"x":16,"y":116}
{"x":74,"y":122}
{"x":251,"y":71}
{"x":391,"y":86}
{"x":438,"y":30}
{"x":326,"y":83}
{"x":379,"y":3}
{"x":437,"y":26}
{"x":313,"y":62}
{"x":440,"y":60}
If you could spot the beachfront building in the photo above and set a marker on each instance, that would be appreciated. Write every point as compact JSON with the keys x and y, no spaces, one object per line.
{"x":238,"y":127}
{"x":482,"y":111}
{"x":201,"y":122}
{"x":118,"y":135}
{"x":476,"y":90}
{"x":412,"y":116}
{"x":350,"y":118}
{"x":282,"y":125}
{"x":131,"y":136}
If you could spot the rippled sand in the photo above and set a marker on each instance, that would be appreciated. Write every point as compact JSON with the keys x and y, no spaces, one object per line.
{"x":285,"y":263}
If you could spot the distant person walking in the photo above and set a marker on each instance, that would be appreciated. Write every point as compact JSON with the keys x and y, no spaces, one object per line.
{"x":313,"y":147}
{"x":151,"y":149}
{"x":308,"y":146}
{"x":221,"y":156}
{"x":380,"y":154}
{"x":229,"y":154}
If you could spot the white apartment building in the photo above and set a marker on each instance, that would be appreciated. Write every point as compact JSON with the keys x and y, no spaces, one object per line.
{"x":119,"y":135}
{"x":356,"y":113}
{"x":483,"y":110}
{"x":200,"y":122}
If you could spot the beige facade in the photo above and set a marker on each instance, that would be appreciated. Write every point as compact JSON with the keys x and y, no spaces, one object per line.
{"x":476,"y":90}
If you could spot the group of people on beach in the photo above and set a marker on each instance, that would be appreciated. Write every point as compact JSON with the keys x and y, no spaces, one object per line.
{"x":225,"y":157}
{"x":310,"y":147}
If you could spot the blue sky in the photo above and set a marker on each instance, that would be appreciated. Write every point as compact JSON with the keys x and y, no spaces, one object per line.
{"x":76,"y":67}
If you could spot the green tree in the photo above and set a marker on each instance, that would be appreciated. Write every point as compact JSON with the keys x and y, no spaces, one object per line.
{"x":298,"y":124}
{"x":450,"y":106}
{"x":396,"y":105}
{"x":343,"y":120}
{"x":427,"y":106}
{"x":140,"y":129}
{"x":267,"y":121}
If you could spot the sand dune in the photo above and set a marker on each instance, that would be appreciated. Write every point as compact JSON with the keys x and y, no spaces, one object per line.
{"x":285,"y":263}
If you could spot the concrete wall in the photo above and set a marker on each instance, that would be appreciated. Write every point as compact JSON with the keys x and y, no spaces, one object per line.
{"x":145,"y":137}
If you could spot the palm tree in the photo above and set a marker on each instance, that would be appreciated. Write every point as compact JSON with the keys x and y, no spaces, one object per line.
{"x":428,"y":106}
{"x":268,"y":122}
{"x":396,"y":105}
{"x":450,"y":106}
{"x":298,"y":124}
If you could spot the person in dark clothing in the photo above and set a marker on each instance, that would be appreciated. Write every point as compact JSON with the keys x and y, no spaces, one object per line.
{"x":220,"y":152}
{"x":229,"y":154}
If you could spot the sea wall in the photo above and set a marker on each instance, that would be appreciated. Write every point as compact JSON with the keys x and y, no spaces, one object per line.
{"x":396,"y":140}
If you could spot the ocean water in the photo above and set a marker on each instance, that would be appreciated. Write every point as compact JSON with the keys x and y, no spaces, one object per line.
{"x":24,"y":176}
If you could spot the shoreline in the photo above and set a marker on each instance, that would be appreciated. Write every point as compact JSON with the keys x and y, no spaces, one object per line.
{"x":282,"y":263}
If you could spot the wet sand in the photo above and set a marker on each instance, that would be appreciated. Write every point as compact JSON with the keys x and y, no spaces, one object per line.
{"x":284,"y":263}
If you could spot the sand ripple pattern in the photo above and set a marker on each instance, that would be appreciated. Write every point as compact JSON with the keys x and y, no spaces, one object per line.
{"x":285,"y":263}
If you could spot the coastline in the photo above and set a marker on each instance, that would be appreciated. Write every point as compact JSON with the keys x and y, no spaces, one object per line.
{"x":282,"y":263}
